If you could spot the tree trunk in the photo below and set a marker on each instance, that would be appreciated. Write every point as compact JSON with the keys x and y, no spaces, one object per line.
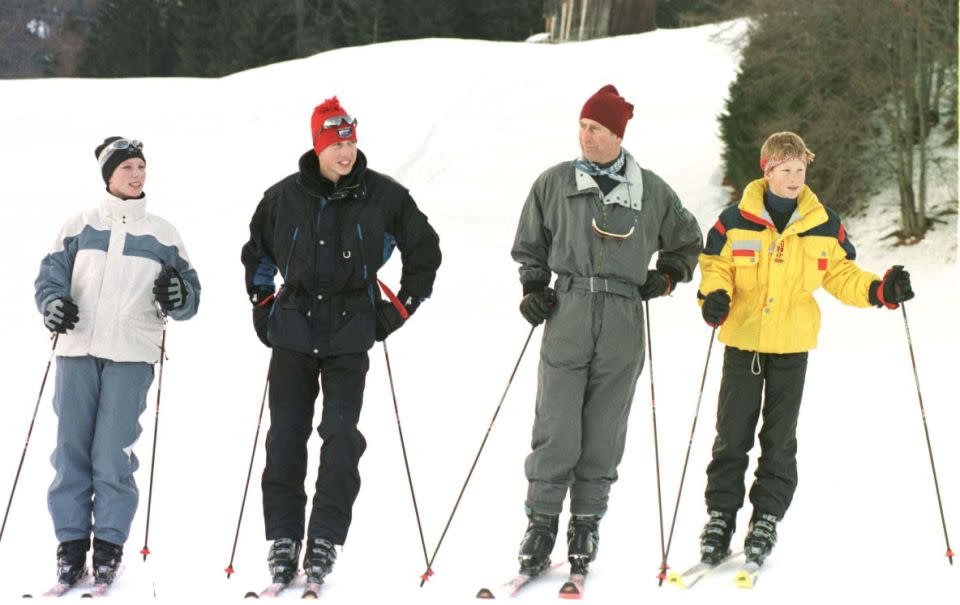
{"x":923,"y":77}
{"x":583,"y":17}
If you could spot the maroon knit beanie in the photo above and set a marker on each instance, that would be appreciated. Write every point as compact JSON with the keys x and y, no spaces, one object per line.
{"x":607,"y":107}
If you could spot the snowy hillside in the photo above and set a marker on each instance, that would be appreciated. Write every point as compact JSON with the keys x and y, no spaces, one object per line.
{"x":467,"y":126}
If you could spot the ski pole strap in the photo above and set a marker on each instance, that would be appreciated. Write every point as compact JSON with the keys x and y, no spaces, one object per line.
{"x":394,"y":300}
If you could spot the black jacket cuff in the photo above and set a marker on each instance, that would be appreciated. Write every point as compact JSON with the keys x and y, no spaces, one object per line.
{"x":872,"y":293}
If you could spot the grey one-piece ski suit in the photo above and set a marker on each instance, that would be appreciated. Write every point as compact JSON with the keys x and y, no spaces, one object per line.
{"x":593,"y":344}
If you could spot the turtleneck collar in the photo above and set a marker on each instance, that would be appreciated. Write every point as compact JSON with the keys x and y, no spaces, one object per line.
{"x":317,"y":184}
{"x":114,"y":209}
{"x":780,"y":204}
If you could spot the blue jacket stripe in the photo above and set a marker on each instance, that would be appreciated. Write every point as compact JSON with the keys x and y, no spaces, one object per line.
{"x":265,"y":273}
{"x":389,"y":243}
{"x":56,"y":269}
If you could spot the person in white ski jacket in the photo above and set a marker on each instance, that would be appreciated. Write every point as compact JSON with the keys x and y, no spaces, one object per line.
{"x":111,"y":277}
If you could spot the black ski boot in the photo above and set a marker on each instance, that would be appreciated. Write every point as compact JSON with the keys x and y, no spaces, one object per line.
{"x":538,"y":543}
{"x":583,"y":540}
{"x":318,"y":559}
{"x":761,"y":537}
{"x":106,"y":560}
{"x":716,"y":535}
{"x":282,"y":560}
{"x":72,"y":560}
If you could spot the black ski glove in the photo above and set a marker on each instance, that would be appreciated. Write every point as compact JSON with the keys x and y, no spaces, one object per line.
{"x":537,"y":306}
{"x":894,"y":289}
{"x":659,"y":283}
{"x":262,"y":301}
{"x":169,"y":289}
{"x":388,"y":319}
{"x":388,"y":316}
{"x":716,"y":307}
{"x":61,"y":315}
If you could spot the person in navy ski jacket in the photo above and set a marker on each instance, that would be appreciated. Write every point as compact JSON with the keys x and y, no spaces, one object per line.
{"x":112,"y":275}
{"x":326,"y":230}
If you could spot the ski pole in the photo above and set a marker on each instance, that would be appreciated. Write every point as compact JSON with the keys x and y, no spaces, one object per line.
{"x":693,"y":430}
{"x":29,"y":432}
{"x":403,"y":448}
{"x":656,"y":443}
{"x":246,"y":486}
{"x":404,"y":314}
{"x":923,"y":415}
{"x":429,"y":572}
{"x":156,"y":425}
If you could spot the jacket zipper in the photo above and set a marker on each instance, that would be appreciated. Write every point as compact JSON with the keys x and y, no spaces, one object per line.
{"x":603,"y":214}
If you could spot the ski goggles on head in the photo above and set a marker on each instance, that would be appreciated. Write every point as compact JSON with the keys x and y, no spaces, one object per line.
{"x":608,"y":235}
{"x":118,"y":145}
{"x":339,"y":120}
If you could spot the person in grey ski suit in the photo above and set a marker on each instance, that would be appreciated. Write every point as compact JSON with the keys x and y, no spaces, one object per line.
{"x":595,"y":222}
{"x":111,"y":275}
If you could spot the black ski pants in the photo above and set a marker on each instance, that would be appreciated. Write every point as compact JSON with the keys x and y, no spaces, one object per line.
{"x":293,"y":392}
{"x":750,"y":379}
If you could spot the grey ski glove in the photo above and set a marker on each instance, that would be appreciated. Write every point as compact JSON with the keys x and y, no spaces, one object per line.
{"x":61,"y":315}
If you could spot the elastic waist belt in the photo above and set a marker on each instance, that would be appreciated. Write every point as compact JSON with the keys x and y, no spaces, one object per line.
{"x":607,"y":285}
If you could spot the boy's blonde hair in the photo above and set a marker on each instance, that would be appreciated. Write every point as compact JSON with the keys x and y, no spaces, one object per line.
{"x":782,"y":147}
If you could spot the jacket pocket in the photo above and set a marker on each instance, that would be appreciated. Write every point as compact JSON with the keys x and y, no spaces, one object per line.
{"x":354,"y":324}
{"x":746,"y":260}
{"x":815,"y":264}
{"x":288,"y":326}
{"x":745,"y":273}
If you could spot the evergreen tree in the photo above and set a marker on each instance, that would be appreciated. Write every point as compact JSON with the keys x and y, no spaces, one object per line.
{"x":129,"y":38}
{"x":218,"y":37}
{"x":500,"y":19}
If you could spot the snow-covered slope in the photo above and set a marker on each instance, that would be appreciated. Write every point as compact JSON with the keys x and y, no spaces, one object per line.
{"x":466,"y":126}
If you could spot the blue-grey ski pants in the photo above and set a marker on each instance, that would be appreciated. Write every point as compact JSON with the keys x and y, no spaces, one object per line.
{"x":98,"y":403}
{"x":590,"y":358}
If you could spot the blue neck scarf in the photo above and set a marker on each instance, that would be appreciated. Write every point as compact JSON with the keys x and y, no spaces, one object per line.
{"x":611,"y":170}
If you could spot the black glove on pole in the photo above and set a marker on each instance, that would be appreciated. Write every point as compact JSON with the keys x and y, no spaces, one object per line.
{"x":169,"y":289}
{"x":894,"y":289}
{"x":537,"y":306}
{"x":262,"y":301}
{"x":659,"y":283}
{"x":716,"y":307}
{"x":61,"y":315}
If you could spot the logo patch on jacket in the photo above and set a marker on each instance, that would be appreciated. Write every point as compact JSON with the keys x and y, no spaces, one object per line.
{"x":822,"y":261}
{"x":779,"y":257}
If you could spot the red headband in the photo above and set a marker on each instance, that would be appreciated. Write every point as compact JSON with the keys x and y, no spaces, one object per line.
{"x":771,"y":163}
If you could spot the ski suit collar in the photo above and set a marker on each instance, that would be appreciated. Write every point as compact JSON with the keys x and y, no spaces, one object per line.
{"x":629,"y":194}
{"x":114,"y":209}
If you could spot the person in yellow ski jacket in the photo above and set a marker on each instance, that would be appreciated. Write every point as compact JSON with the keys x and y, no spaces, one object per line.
{"x":763,"y":260}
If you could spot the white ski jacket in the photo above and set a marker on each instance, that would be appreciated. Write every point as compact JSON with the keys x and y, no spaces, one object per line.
{"x":106,"y":259}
